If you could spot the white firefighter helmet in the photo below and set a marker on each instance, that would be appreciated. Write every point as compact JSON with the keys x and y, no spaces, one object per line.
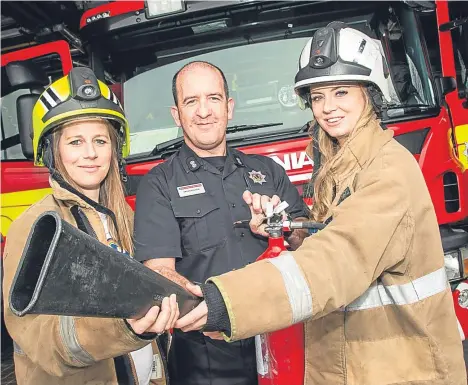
{"x":338,"y":53}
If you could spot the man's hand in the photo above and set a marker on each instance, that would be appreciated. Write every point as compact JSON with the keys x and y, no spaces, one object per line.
{"x":196,"y":319}
{"x":214,"y":335}
{"x":170,"y":273}
{"x":258,"y":205}
{"x":156,"y":321}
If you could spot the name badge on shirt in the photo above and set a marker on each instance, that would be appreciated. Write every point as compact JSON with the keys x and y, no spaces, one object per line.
{"x":191,"y":189}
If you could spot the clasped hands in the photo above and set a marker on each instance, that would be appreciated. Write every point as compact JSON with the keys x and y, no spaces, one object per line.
{"x":160,"y":320}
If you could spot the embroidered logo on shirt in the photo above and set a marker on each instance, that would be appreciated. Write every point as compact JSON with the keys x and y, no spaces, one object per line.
{"x":257,"y":177}
{"x":466,"y":150}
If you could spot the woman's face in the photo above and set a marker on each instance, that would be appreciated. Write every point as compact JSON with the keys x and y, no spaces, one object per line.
{"x":337,"y":108}
{"x":86,"y":152}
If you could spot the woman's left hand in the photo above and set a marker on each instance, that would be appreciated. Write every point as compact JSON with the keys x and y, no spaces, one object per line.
{"x":157,"y":320}
{"x":196,"y":319}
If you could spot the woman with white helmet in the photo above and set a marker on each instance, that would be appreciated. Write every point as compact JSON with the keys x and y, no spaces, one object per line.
{"x":370,"y":287}
{"x":81,"y":135}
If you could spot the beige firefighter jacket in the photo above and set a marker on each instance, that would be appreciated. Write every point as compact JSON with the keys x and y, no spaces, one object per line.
{"x":370,"y":288}
{"x":61,"y":350}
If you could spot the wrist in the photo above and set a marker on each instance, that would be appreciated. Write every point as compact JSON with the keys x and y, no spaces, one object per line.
{"x":217,"y":317}
{"x":143,"y":336}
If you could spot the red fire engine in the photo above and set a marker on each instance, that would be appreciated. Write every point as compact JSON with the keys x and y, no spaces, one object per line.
{"x":138,"y":46}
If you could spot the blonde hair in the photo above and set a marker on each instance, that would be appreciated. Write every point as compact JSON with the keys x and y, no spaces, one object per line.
{"x":111,"y":192}
{"x":323,"y":183}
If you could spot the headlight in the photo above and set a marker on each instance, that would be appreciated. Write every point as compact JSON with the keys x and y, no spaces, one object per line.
{"x":157,"y":8}
{"x":456,"y":263}
{"x":452,"y":265}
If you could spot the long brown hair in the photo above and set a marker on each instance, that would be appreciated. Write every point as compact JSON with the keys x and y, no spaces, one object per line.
{"x":111,"y":192}
{"x":324,"y":184}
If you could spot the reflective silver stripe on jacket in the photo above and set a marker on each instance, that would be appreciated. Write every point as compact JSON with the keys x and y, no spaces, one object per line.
{"x":296,"y":286}
{"x":70,"y":340}
{"x":406,"y":294}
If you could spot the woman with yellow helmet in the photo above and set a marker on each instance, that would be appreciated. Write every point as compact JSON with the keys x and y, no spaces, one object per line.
{"x":81,"y":135}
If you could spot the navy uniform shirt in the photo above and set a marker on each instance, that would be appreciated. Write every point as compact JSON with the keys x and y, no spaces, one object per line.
{"x":186,"y":207}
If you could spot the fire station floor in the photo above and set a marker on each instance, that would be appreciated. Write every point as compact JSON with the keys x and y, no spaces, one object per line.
{"x":8,"y":369}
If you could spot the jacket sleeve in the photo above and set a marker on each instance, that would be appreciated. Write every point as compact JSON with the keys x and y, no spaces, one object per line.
{"x":370,"y":232}
{"x":60,"y":345}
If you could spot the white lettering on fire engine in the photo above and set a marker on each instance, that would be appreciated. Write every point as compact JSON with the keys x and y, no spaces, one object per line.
{"x":291,"y":160}
{"x":99,"y":16}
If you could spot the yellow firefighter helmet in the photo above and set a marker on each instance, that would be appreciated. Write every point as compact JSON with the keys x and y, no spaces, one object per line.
{"x":78,"y":95}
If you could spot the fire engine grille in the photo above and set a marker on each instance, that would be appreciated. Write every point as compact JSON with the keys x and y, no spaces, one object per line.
{"x":451,"y":194}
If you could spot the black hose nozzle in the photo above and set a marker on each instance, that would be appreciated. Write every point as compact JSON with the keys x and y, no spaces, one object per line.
{"x":64,"y":271}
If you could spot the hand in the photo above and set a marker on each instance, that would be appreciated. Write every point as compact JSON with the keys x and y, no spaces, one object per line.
{"x":170,"y":274}
{"x":196,"y":319}
{"x":258,"y":205}
{"x":156,"y":320}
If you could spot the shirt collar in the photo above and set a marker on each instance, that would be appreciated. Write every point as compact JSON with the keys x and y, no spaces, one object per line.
{"x":191,"y":162}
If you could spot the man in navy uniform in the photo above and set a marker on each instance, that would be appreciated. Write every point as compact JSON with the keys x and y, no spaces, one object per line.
{"x":185,"y":209}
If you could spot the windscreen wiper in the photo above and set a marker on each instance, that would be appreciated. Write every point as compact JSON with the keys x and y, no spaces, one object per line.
{"x":177,"y":142}
{"x":174,"y":143}
{"x":244,"y":127}
{"x":394,"y":111}
{"x":414,"y":106}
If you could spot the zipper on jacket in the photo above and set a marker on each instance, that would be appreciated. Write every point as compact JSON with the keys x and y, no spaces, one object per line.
{"x":163,"y":354}
{"x":123,"y":370}
{"x":345,"y":369}
{"x":133,"y":368}
{"x":87,"y":223}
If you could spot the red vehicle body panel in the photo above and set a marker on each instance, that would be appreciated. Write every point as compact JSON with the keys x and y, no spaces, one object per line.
{"x":113,"y":9}
{"x":59,"y":47}
{"x":22,"y":176}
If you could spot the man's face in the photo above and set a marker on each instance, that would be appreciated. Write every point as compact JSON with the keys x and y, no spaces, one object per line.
{"x":203,"y":110}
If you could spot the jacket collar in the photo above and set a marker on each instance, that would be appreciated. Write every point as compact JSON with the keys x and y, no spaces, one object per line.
{"x":360,"y":150}
{"x":67,"y":197}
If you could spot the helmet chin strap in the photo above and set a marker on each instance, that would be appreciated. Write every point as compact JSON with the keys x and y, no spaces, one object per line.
{"x":378,"y":101}
{"x":120,"y":160}
{"x":48,"y":159}
{"x":316,"y":155}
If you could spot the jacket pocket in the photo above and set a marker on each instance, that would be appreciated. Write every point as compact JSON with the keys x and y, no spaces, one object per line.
{"x":391,"y":361}
{"x":200,"y":222}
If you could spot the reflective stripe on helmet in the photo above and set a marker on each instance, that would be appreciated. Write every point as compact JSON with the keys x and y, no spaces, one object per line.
{"x":79,"y":94}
